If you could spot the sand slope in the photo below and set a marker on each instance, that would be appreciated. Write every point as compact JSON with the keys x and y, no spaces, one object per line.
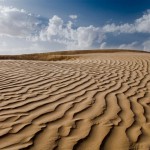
{"x":96,"y":101}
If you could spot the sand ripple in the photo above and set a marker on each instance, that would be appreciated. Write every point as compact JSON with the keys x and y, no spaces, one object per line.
{"x":98,"y":101}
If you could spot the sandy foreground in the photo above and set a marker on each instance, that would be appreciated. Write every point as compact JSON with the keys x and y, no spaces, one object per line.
{"x":96,"y":101}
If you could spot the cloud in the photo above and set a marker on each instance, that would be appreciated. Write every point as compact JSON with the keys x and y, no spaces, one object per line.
{"x":143,"y":24}
{"x":18,"y":23}
{"x":146,"y":45}
{"x":73,"y":16}
{"x":124,"y":28}
{"x":15,"y":45}
{"x":132,"y":45}
{"x":73,"y":38}
{"x":140,"y":25}
{"x":103,"y":45}
{"x":37,"y":34}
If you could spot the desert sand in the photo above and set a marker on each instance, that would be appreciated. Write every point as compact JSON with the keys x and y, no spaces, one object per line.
{"x":90,"y":102}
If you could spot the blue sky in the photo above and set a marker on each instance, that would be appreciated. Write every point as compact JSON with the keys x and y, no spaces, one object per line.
{"x":29,"y":26}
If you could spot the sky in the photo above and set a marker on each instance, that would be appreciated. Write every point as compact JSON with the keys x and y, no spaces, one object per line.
{"x":35,"y":26}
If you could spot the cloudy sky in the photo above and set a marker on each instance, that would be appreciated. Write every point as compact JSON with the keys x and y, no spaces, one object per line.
{"x":29,"y":26}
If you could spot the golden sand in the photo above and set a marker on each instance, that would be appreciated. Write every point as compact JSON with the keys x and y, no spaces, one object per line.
{"x":93,"y":102}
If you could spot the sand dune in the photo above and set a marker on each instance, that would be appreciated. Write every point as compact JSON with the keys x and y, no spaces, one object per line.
{"x":91,"y":102}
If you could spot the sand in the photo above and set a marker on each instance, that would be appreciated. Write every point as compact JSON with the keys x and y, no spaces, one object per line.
{"x":96,"y":101}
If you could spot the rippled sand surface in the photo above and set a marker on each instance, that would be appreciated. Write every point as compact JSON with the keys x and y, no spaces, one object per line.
{"x":94,"y":102}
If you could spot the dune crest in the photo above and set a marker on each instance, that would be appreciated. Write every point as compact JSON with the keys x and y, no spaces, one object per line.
{"x":91,"y":102}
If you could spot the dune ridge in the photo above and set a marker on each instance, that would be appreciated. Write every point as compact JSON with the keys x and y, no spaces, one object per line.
{"x":91,"y":102}
{"x":65,"y":55}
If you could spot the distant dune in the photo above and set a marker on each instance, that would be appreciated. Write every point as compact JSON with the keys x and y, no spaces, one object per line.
{"x":89,"y":100}
{"x":63,"y":55}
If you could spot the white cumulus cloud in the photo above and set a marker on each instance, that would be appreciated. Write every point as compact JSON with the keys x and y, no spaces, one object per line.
{"x":140,"y":25}
{"x":132,"y":45}
{"x":73,"y":16}
{"x":146,"y":45}
{"x":17,"y":22}
{"x":73,"y":38}
{"x":124,"y":28}
{"x":19,"y":27}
